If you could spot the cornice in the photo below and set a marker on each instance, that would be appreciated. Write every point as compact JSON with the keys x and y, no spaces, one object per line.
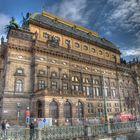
{"x":73,"y":55}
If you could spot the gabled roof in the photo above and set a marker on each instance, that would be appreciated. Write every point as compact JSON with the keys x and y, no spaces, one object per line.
{"x":69,"y":27}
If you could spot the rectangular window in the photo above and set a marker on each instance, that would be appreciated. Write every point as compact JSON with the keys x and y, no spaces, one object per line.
{"x":20,"y":71}
{"x":41,"y":72}
{"x":84,"y":89}
{"x":76,"y":79}
{"x":65,"y":86}
{"x":97,"y":91}
{"x":19,"y":86}
{"x":72,"y":87}
{"x":77,"y":88}
{"x":41,"y":84}
{"x":83,"y":80}
{"x":87,"y":91}
{"x":114,"y":93}
{"x":106,"y":92}
{"x":93,"y":90}
{"x":54,"y":85}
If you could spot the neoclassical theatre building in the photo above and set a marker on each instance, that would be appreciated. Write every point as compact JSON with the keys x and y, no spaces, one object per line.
{"x":63,"y":71}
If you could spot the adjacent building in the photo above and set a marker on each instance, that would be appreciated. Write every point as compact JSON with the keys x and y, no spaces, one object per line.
{"x":63,"y":71}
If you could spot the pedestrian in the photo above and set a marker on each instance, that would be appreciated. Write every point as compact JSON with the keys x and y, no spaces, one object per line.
{"x":31,"y":131}
{"x":7,"y":126}
{"x":3,"y":127}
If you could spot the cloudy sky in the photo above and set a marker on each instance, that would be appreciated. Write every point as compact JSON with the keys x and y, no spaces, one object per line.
{"x":116,"y":20}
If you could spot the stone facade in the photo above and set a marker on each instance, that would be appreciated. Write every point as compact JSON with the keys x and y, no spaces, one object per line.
{"x":36,"y":72}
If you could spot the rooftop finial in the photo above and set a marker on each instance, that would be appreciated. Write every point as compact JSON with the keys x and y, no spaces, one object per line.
{"x":44,"y":6}
{"x":2,"y":40}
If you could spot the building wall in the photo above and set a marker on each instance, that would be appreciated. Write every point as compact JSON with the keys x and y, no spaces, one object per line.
{"x":92,"y":49}
{"x":39,"y":65}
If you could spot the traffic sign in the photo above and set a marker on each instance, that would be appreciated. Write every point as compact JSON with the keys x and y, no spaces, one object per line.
{"x":27,"y":113}
{"x":44,"y":120}
{"x":27,"y":120}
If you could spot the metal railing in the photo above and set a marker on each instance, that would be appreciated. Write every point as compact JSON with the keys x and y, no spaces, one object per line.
{"x":70,"y":132}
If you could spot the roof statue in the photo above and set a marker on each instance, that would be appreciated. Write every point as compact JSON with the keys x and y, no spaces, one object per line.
{"x":12,"y":24}
{"x":2,"y":40}
{"x":25,"y":20}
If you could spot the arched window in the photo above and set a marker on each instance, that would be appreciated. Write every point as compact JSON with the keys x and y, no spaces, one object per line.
{"x":53,"y":108}
{"x":80,"y":110}
{"x":90,"y":108}
{"x":39,"y":109}
{"x":67,"y":110}
{"x":19,"y":86}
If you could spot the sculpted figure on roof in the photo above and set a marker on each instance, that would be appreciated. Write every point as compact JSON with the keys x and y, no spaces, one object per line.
{"x":12,"y":24}
{"x":25,"y":20}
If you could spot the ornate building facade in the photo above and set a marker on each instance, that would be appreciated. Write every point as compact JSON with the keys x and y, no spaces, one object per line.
{"x":63,"y":71}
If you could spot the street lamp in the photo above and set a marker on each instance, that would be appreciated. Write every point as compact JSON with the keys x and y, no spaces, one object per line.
{"x":18,"y":112}
{"x":104,"y":95}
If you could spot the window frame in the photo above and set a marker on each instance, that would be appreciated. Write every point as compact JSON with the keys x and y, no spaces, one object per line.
{"x":19,"y":86}
{"x":41,"y":84}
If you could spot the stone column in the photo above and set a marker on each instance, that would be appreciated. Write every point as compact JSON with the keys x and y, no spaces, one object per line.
{"x":81,"y":79}
{"x":60,"y":82}
{"x":61,"y":112}
{"x":70,"y":82}
{"x":91,"y":77}
{"x":46,"y":108}
{"x":48,"y":77}
{"x":74,"y":112}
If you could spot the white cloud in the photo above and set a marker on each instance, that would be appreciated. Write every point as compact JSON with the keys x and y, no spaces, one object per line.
{"x":4,"y":20}
{"x":126,"y":13}
{"x":73,"y":10}
{"x":131,"y":52}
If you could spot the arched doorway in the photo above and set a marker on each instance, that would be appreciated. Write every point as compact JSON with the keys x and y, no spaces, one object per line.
{"x":68,"y":112}
{"x":54,"y":112}
{"x":39,"y":109}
